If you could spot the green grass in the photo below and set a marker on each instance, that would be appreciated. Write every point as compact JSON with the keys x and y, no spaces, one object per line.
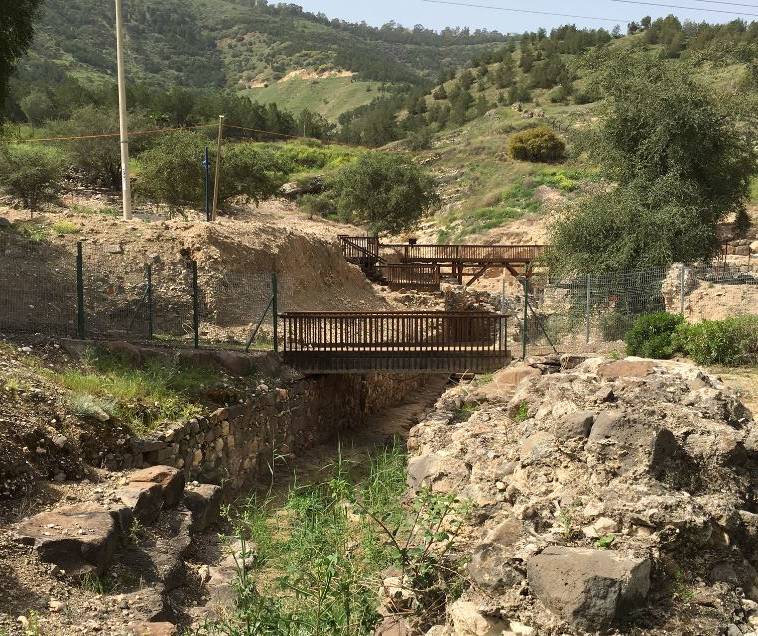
{"x":143,"y":398}
{"x":89,"y":210}
{"x":62,"y":228}
{"x":330,"y":96}
{"x":319,"y":562}
{"x":33,"y":231}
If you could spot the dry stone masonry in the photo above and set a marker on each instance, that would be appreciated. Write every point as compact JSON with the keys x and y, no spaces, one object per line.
{"x":608,"y":495}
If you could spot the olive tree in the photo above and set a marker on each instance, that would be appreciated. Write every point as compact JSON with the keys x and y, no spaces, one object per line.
{"x":677,"y":162}
{"x":33,"y":174}
{"x":386,"y":191}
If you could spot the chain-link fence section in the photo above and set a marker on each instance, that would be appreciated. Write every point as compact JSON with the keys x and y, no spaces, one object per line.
{"x":593,"y":312}
{"x":37,"y":287}
{"x":48,"y":290}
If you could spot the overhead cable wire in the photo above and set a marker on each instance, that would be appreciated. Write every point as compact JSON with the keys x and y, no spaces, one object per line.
{"x":679,"y":6}
{"x":529,"y":11}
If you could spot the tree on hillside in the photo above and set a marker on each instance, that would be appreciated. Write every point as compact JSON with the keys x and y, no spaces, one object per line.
{"x":16,"y":33}
{"x":680,"y":161}
{"x":440,"y":93}
{"x":386,"y":191}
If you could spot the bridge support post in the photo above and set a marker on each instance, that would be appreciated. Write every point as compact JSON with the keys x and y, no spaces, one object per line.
{"x":275,"y":309}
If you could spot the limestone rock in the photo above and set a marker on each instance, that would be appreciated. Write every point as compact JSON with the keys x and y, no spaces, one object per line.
{"x":588,"y":588}
{"x":79,"y":539}
{"x":170,"y":479}
{"x":469,"y":621}
{"x":575,"y":425}
{"x":204,"y":502}
{"x":441,"y":473}
{"x":629,"y":368}
{"x":153,"y":629}
{"x":393,"y":626}
{"x":144,"y":498}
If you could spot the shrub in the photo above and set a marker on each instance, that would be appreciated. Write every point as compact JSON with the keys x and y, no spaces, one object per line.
{"x":172,"y":172}
{"x":33,"y":174}
{"x":537,"y":144}
{"x":317,"y":205}
{"x":99,"y":159}
{"x":420,"y":139}
{"x":730,"y":342}
{"x":385,"y":190}
{"x":252,"y":171}
{"x":651,"y":336}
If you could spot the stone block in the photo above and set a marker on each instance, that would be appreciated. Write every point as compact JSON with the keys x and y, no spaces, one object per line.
{"x":204,"y":502}
{"x":79,"y":539}
{"x":170,"y":479}
{"x":589,"y":589}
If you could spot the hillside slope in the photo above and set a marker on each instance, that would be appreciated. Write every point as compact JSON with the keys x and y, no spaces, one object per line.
{"x":239,"y":45}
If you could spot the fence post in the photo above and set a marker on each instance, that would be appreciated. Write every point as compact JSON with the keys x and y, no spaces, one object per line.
{"x":588,"y":309}
{"x":149,"y":281}
{"x":681,"y":290}
{"x":80,"y":316}
{"x":524,"y":335}
{"x":195,"y":306}
{"x":275,"y":309}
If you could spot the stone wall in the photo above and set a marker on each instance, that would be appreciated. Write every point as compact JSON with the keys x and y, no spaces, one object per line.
{"x":234,"y":446}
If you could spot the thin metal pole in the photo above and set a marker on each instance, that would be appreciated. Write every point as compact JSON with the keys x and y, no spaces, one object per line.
{"x":218,"y":166}
{"x":275,"y":309}
{"x":80,"y":320}
{"x":149,"y":277}
{"x":207,"y":166}
{"x":195,"y":306}
{"x":126,"y":188}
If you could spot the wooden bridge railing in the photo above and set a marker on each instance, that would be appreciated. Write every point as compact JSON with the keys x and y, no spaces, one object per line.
{"x":411,"y":275}
{"x":360,"y":249}
{"x":468,"y":253}
{"x":433,"y":342}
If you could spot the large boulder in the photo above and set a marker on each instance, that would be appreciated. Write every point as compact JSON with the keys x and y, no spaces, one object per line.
{"x":170,"y":479}
{"x":78,"y":539}
{"x":438,"y":472}
{"x":144,"y":499}
{"x":587,"y":588}
{"x":204,"y":502}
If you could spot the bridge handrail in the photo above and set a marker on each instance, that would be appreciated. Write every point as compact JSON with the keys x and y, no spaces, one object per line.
{"x":473,"y":333}
{"x":467,"y":252}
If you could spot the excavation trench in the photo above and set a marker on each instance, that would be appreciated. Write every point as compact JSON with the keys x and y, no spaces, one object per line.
{"x":290,"y":524}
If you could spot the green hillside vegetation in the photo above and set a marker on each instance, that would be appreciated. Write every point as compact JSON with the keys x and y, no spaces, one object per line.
{"x":330,"y":96}
{"x":229,"y":44}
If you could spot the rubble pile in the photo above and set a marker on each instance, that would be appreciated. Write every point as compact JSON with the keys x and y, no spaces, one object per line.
{"x":608,"y":495}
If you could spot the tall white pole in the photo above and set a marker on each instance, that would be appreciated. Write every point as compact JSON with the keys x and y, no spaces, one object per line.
{"x":122,"y":114}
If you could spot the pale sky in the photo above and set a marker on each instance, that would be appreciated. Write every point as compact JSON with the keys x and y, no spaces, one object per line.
{"x":410,"y":12}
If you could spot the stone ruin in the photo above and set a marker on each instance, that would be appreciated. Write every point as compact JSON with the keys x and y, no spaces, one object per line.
{"x":609,"y":496}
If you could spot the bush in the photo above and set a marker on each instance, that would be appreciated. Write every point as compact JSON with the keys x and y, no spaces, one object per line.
{"x":730,"y":342}
{"x":172,"y":172}
{"x":537,"y":144}
{"x":252,"y":171}
{"x":317,"y":205}
{"x":99,"y":159}
{"x":385,"y":190}
{"x":652,"y":335}
{"x":420,"y":139}
{"x":33,"y":174}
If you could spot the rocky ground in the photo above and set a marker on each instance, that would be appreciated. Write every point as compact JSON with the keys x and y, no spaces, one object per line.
{"x":609,"y":496}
